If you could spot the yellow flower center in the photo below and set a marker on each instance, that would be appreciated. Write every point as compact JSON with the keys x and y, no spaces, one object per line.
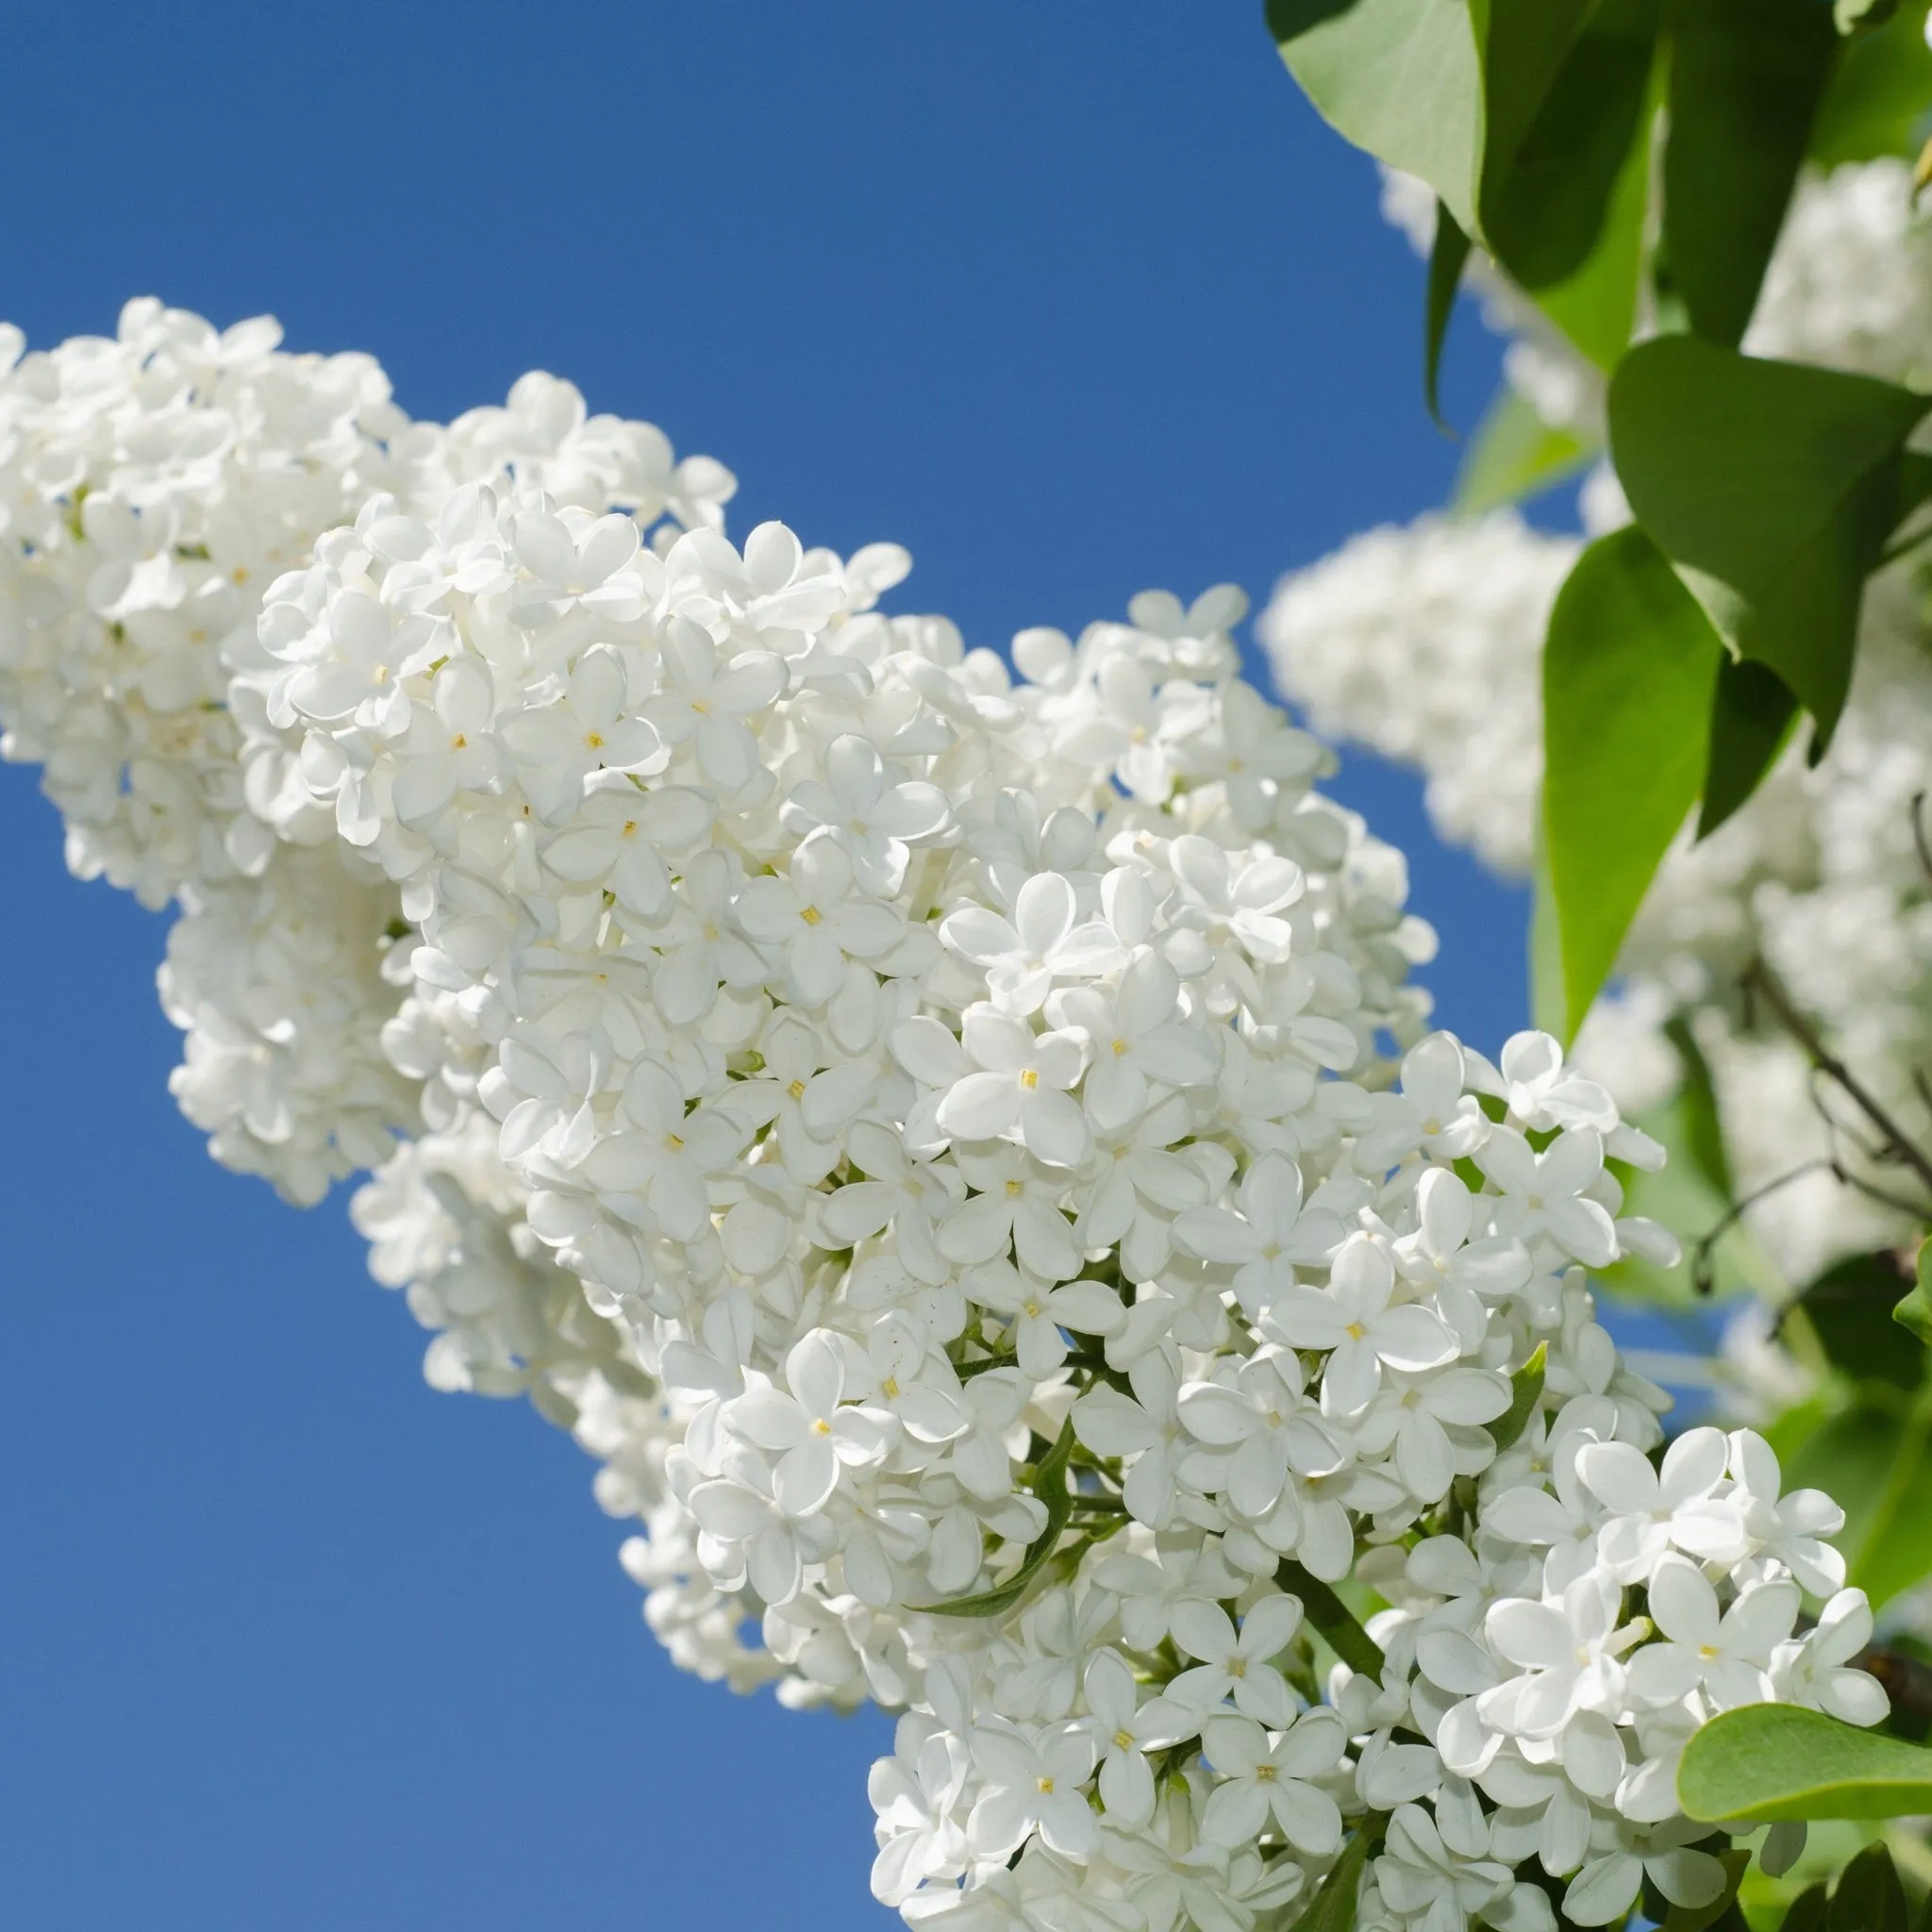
{"x":1029,"y":1078}
{"x":796,"y":1090}
{"x":810,"y":915}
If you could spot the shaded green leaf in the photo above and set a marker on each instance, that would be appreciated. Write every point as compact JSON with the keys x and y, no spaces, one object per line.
{"x":1522,"y":47}
{"x":1809,"y":1911}
{"x":1880,"y":94}
{"x":1398,"y":77}
{"x":1751,"y":717}
{"x":1914,"y":1310}
{"x":1525,"y":1391}
{"x":1596,"y":307}
{"x":1867,"y":1896}
{"x":1050,"y":1488}
{"x":1447,"y":254}
{"x":1565,"y":89}
{"x":1780,"y":482}
{"x":1746,"y":77}
{"x":1333,"y":1906}
{"x":1850,"y":1308}
{"x":1331,"y":1617}
{"x":1513,"y":455}
{"x":1629,"y":666}
{"x":1770,"y":1762}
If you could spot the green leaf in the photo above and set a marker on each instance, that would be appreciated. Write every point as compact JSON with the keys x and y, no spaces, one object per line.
{"x":1867,"y":1896}
{"x":1809,"y":1911}
{"x":1770,"y":1762}
{"x":1398,"y":77}
{"x":1332,"y":1618}
{"x":1850,"y":1308}
{"x":1914,"y":1311}
{"x":1525,"y":1391}
{"x":1447,"y":254}
{"x":1050,"y":1486}
{"x":1880,"y":94}
{"x":1332,"y":1908}
{"x":1565,"y":87}
{"x":1514,"y":455}
{"x":1780,"y":482}
{"x":1522,"y":47}
{"x":1746,"y":77}
{"x":1596,"y":307}
{"x":1629,"y":668}
{"x":1751,"y":718}
{"x":1696,"y":1918}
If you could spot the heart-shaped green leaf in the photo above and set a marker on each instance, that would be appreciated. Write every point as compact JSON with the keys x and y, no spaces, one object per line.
{"x":1629,"y":668}
{"x":1780,"y":482}
{"x":1746,"y":77}
{"x":1398,"y":77}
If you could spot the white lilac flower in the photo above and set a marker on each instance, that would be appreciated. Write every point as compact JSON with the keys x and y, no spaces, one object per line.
{"x":929,"y":1133}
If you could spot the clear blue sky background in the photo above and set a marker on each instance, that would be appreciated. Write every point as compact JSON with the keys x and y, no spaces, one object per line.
{"x":1071,"y":299}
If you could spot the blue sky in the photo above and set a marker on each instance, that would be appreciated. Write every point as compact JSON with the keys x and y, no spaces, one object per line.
{"x":1071,"y":299}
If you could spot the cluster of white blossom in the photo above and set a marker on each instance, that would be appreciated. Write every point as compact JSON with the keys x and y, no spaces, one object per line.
{"x":1426,"y":644}
{"x":959,"y":1148}
{"x":152,"y":485}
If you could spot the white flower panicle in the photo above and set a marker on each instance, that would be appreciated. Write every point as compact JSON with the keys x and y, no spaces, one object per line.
{"x":961,"y":1150}
{"x":1426,"y":644}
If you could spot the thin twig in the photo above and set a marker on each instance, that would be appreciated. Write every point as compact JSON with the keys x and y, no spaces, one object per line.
{"x":1702,"y":1251}
{"x":1922,"y":843}
{"x":1757,"y":977}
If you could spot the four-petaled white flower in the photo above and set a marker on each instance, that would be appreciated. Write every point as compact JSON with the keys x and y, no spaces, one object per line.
{"x":1357,"y":1318}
